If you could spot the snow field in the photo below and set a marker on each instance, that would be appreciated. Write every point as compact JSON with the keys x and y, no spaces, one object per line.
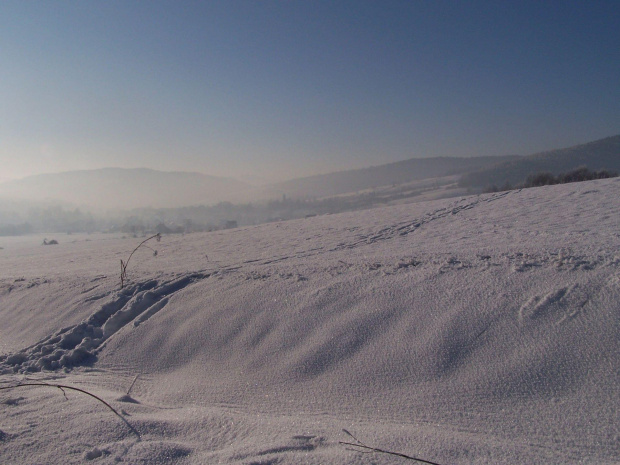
{"x":477,"y":330}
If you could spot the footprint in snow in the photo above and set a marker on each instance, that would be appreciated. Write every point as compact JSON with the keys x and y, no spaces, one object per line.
{"x":78,"y":345}
{"x":562,"y":304}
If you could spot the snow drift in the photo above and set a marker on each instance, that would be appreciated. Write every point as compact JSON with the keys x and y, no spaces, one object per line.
{"x":473,"y":330}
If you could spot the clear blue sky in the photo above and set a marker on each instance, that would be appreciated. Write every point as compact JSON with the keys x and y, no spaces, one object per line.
{"x":286,"y":88}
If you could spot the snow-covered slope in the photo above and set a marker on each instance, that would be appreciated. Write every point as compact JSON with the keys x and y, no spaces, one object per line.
{"x":478,"y":330}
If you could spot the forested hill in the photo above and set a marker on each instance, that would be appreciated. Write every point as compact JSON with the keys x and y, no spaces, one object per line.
{"x":603,"y":154}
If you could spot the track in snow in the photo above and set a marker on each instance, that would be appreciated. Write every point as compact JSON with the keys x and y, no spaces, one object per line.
{"x":78,"y":345}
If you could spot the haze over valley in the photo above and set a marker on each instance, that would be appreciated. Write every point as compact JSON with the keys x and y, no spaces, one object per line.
{"x":143,"y":200}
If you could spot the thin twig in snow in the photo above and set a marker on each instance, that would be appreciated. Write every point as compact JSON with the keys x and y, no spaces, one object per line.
{"x":132,"y":383}
{"x":369,"y":449}
{"x":62,"y":387}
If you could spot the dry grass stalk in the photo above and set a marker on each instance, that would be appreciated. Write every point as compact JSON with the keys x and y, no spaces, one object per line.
{"x":141,"y":244}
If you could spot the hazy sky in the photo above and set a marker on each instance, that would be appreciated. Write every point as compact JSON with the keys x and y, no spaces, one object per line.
{"x":287,"y":88}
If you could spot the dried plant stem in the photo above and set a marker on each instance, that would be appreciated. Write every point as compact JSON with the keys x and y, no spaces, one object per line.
{"x":359,"y":444}
{"x":141,"y":244}
{"x":132,"y":383}
{"x":62,"y":387}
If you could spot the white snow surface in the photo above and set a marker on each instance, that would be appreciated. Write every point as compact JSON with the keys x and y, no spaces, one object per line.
{"x":475,"y":330}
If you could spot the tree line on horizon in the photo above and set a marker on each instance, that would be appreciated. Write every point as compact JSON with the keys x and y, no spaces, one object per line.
{"x":546,"y":178}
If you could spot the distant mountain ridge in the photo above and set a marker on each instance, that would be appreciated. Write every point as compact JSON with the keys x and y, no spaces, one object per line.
{"x":121,"y":188}
{"x":602,"y":154}
{"x":342,"y":182}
